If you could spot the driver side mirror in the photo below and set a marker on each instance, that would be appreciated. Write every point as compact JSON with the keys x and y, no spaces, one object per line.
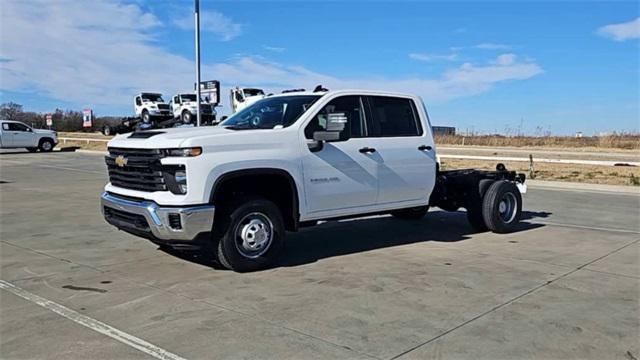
{"x":336,"y":123}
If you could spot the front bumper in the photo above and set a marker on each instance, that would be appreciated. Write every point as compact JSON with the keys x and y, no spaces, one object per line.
{"x":148,"y":219}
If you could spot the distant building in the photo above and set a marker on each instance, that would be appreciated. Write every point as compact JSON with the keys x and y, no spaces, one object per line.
{"x":443,"y":130}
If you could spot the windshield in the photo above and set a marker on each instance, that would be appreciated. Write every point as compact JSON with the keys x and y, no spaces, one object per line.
{"x":188,"y":97}
{"x":271,"y":112}
{"x":252,"y":92}
{"x":152,"y":97}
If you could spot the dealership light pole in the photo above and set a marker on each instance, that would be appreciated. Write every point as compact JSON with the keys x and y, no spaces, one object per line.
{"x":197,"y":18}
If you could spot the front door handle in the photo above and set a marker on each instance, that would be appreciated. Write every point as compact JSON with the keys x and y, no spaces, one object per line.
{"x":424,"y":147}
{"x":367,"y":150}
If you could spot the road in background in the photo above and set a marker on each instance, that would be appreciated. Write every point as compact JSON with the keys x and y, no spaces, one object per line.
{"x":565,"y":285}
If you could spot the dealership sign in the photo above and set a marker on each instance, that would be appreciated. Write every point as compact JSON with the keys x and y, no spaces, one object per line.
{"x":210,"y":91}
{"x":49,"y":119}
{"x":87,"y":114}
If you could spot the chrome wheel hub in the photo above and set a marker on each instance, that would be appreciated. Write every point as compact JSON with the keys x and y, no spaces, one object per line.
{"x":507,"y":208}
{"x":253,"y":235}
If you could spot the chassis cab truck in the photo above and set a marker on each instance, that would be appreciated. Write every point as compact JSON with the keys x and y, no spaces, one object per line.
{"x":151,"y":107}
{"x":288,"y":161}
{"x":243,"y":97}
{"x":185,"y":108}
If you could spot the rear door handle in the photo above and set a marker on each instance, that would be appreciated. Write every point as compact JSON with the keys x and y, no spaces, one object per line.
{"x":424,"y":147}
{"x":367,"y":150}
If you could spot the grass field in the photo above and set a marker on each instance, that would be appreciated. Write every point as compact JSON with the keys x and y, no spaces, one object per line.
{"x":610,"y":175}
{"x":616,"y":141}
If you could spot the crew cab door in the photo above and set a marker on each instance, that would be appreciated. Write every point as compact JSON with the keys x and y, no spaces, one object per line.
{"x":7,"y":135}
{"x":404,"y":148}
{"x":21,"y":135}
{"x":338,"y":177}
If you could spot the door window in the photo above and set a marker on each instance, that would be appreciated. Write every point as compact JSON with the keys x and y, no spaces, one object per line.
{"x":351,"y":106}
{"x":18,"y":127}
{"x":138,"y":101}
{"x":391,"y":117}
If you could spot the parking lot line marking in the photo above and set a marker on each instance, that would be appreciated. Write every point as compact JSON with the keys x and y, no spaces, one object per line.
{"x":587,"y":227}
{"x":92,"y":323}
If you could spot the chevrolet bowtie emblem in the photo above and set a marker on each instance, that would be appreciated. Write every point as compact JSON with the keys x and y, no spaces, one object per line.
{"x":121,"y":161}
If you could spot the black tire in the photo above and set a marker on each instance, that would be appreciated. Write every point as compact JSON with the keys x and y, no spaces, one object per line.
{"x":502,"y":207}
{"x":32,"y":149}
{"x":186,"y":117}
{"x":106,"y":130}
{"x":251,"y":234}
{"x":474,"y":215}
{"x":146,"y":118}
{"x":46,"y":145}
{"x":415,"y":213}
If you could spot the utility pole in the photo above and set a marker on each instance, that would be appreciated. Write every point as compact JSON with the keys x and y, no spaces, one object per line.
{"x":197,"y":19}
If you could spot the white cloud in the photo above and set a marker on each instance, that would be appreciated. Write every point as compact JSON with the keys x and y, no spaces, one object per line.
{"x":505,"y":59}
{"x":274,"y":48}
{"x":492,"y":46}
{"x":211,"y":21}
{"x":87,"y":60}
{"x":621,"y":31}
{"x":432,"y":57}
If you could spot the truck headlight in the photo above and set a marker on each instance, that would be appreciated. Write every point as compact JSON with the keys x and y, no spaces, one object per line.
{"x":183,"y":152}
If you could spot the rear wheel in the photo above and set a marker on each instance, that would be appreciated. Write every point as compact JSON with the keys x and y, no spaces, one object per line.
{"x":252,"y":235}
{"x":502,"y":207}
{"x":46,"y":145}
{"x":415,"y":213}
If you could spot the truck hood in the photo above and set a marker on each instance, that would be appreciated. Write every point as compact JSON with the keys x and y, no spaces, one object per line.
{"x":44,"y":131}
{"x":193,"y":136}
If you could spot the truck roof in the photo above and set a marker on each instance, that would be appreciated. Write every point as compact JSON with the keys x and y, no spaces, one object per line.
{"x":346,"y":92}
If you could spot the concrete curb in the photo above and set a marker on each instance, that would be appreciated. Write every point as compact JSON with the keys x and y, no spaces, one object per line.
{"x":93,"y":152}
{"x":581,"y":187}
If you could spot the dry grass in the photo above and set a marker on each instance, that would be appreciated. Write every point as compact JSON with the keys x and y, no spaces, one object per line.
{"x":90,"y":135}
{"x":616,"y":141}
{"x":611,"y":175}
{"x":92,"y":145}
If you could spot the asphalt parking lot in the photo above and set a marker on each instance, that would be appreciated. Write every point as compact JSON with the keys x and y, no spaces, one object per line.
{"x":565,"y":286}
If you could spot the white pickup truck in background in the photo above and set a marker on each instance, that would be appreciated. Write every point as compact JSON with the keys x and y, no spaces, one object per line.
{"x":15,"y":134}
{"x":288,"y":161}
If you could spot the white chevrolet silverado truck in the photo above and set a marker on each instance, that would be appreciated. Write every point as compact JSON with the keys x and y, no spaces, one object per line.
{"x":288,"y":161}
{"x":15,"y":134}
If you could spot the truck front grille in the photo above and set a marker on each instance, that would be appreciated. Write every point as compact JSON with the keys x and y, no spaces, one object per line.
{"x":163,"y":106}
{"x":136,"y":169}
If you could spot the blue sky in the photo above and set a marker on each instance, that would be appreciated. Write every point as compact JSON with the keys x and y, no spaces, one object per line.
{"x":480,"y":66}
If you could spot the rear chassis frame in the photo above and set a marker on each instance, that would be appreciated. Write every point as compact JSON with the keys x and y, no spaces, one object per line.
{"x":463,"y":188}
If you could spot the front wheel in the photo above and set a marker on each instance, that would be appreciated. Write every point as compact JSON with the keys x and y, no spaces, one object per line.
{"x":106,"y":130}
{"x":46,"y":145}
{"x":146,"y":118}
{"x":252,"y":235}
{"x":186,"y":117}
